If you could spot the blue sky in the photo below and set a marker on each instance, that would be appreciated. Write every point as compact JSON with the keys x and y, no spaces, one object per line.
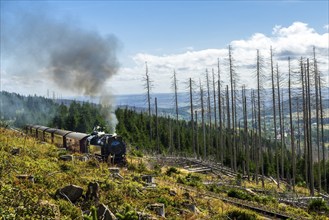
{"x":161,"y":31}
{"x":170,"y":26}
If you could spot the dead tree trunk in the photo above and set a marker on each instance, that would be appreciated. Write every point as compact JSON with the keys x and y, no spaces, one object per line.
{"x":317,"y":108}
{"x":203,"y":124}
{"x":322,"y":138}
{"x":259,"y":124}
{"x":229,"y":132}
{"x":298,"y":131}
{"x":176,"y":110}
{"x":192,"y":120}
{"x":157,"y":125}
{"x":305,"y":121}
{"x":274,"y":122}
{"x":292,"y":136}
{"x":254,"y":135}
{"x":209,"y":114}
{"x":284,"y":133}
{"x":215,"y":113}
{"x":310,"y":128}
{"x":197,"y":135}
{"x":232,"y":84}
{"x":235,"y":130}
{"x":148,"y":90}
{"x":220,"y":118}
{"x":280,"y":121}
{"x":170,"y":136}
{"x":246,"y":135}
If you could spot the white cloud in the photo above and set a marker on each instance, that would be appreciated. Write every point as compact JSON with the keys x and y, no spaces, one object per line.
{"x":190,"y":48}
{"x":295,"y":41}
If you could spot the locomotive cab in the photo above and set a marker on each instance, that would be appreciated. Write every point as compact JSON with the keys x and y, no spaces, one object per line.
{"x":111,"y":146}
{"x":114,"y":148}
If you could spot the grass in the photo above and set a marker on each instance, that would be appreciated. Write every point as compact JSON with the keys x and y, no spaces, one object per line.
{"x":22,"y":199}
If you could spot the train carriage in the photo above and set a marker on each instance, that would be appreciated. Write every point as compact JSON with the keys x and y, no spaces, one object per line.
{"x":59,"y":137}
{"x":49,"y":135}
{"x":34,"y":130}
{"x":111,"y":145}
{"x":41,"y":132}
{"x":77,"y":142}
{"x":28,"y":129}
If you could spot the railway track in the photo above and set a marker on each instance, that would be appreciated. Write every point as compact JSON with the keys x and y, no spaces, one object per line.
{"x":195,"y":165}
{"x":264,"y":211}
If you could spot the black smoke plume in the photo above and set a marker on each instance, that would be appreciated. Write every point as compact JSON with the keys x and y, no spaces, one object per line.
{"x":76,"y":59}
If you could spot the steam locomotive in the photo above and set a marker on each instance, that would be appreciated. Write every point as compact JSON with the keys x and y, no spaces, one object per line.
{"x":111,"y":146}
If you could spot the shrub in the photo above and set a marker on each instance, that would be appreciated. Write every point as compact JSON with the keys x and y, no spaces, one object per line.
{"x":92,"y":215}
{"x":267,"y":200}
{"x":172,"y":170}
{"x":141,"y":167}
{"x":241,"y":215}
{"x":136,"y":153}
{"x":128,"y":213}
{"x":181,"y":180}
{"x":68,"y":209}
{"x":108,"y":185}
{"x":318,"y":205}
{"x":191,"y":180}
{"x":132,"y":189}
{"x":239,"y":194}
{"x":167,"y":201}
{"x":157,"y":169}
{"x":131,"y":167}
{"x":93,"y":163}
{"x":39,"y":179}
{"x":65,"y":167}
{"x":214,"y":188}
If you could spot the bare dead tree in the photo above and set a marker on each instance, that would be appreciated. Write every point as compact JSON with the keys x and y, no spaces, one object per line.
{"x":208,"y":99}
{"x":233,"y":78}
{"x":148,"y":91}
{"x":235,"y":133}
{"x":259,"y":162}
{"x":229,"y":132}
{"x":203,"y":123}
{"x":175,"y":94}
{"x":274,"y":122}
{"x":246,"y":135}
{"x":298,"y":131}
{"x":208,"y":112}
{"x":317,"y":108}
{"x":283,"y":131}
{"x":220,"y":117}
{"x":170,"y":136}
{"x":292,"y":136}
{"x":322,"y":137}
{"x":197,"y":135}
{"x":254,"y":134}
{"x":280,"y":121}
{"x":305,"y":120}
{"x":310,"y":147}
{"x":215,"y":112}
{"x":192,"y":119}
{"x":157,"y":125}
{"x":174,"y":85}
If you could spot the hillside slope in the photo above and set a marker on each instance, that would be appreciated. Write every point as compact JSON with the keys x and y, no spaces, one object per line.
{"x":33,"y":180}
